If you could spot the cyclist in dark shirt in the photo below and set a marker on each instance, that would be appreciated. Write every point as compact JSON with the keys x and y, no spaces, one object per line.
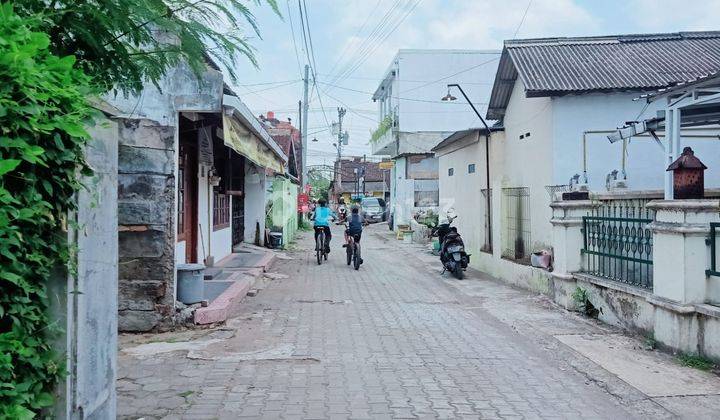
{"x":355,"y":225}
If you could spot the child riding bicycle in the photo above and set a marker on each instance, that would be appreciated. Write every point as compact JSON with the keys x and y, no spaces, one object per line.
{"x":322,"y":216}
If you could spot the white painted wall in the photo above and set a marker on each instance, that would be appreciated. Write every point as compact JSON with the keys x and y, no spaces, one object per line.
{"x":255,"y":190}
{"x":463,"y":190}
{"x":645,"y":165}
{"x":419,"y":88}
{"x":528,"y":162}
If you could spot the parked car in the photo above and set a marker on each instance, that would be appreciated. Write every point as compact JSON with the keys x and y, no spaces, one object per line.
{"x":373,"y":209}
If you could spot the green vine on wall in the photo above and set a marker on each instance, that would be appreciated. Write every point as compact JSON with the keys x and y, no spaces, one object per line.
{"x":43,"y":109}
{"x":383,"y":128}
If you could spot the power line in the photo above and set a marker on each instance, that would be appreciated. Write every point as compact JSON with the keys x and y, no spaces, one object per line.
{"x":522,"y":20}
{"x":347,"y":46}
{"x":370,"y":38}
{"x":452,"y":75}
{"x":311,"y":53}
{"x":399,"y":98}
{"x":380,"y":40}
{"x":292,"y":30}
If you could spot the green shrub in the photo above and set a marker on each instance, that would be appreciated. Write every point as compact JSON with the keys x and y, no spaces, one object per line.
{"x":43,"y":110}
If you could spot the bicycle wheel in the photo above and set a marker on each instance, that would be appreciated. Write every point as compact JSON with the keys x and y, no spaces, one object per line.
{"x":356,"y":257}
{"x":319,"y":249}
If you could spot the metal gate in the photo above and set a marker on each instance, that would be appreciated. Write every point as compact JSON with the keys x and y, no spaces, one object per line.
{"x":237,"y":186}
{"x":617,"y":242}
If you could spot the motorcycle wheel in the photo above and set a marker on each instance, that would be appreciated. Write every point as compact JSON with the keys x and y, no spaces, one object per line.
{"x":458,"y":272}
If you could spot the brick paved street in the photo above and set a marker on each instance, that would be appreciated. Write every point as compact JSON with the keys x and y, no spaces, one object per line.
{"x":392,"y":340}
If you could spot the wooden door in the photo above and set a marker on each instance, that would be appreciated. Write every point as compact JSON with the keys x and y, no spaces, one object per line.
{"x":187,"y":200}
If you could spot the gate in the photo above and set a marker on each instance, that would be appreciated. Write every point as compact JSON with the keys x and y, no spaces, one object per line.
{"x":617,"y":242}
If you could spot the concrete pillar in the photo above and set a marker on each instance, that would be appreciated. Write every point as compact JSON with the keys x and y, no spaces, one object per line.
{"x":680,"y":253}
{"x":567,"y":234}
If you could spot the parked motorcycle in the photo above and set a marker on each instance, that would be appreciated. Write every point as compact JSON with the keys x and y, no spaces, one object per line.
{"x":452,"y":248}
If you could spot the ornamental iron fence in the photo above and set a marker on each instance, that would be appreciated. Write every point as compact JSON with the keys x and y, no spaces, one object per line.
{"x":714,"y":269}
{"x":617,"y":242}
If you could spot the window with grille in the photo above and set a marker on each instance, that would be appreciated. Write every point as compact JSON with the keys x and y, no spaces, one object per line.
{"x":221,"y":211}
{"x":516,"y":223}
{"x":471,"y":168}
{"x":451,"y":171}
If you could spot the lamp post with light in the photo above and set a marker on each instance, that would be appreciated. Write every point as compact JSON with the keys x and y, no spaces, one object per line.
{"x":449,"y":98}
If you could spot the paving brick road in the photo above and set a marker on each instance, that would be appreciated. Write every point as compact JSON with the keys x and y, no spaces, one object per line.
{"x":392,"y":340}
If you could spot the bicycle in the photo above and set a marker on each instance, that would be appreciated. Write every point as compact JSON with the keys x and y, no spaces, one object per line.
{"x":353,"y":251}
{"x":320,"y":245}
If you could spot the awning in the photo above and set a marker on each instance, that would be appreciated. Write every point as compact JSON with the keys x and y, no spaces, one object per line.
{"x":245,"y":135}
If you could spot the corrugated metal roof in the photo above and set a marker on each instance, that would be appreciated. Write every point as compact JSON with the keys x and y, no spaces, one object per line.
{"x":558,"y":66}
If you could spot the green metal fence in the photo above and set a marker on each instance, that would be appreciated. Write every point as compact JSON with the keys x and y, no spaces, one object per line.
{"x":618,"y":244}
{"x":714,"y":269}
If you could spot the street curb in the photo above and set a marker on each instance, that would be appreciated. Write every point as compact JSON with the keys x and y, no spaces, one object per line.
{"x":219,"y":309}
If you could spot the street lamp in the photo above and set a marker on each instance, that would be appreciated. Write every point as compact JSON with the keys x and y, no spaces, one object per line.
{"x":449,"y":98}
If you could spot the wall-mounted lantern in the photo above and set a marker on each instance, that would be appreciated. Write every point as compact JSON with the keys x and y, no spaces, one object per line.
{"x":688,"y":176}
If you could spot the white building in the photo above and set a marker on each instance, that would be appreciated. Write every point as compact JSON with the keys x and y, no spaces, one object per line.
{"x":414,"y":119}
{"x":556,"y":101}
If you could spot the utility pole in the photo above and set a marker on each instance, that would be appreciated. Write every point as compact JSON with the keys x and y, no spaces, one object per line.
{"x":338,"y":176}
{"x":304,"y":129}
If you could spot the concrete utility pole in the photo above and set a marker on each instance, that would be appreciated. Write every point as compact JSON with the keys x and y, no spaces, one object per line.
{"x":338,"y":176}
{"x":304,"y":129}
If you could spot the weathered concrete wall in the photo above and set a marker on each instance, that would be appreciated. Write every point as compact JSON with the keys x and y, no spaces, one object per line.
{"x":87,"y":302}
{"x":146,"y":212}
{"x":147,"y":193}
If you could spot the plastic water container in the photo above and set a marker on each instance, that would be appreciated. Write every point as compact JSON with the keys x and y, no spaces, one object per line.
{"x":190,"y":283}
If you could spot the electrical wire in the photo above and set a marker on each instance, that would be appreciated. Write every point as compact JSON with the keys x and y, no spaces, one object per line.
{"x":522,"y":20}
{"x":400,"y":98}
{"x":382,"y":40}
{"x":367,"y":41}
{"x":311,"y":53}
{"x":453,"y":75}
{"x":357,"y":33}
{"x":292,"y":30}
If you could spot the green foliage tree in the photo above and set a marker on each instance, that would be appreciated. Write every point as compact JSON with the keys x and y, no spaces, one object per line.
{"x":123,"y":43}
{"x":320,"y":185}
{"x":54,"y":55}
{"x":43,"y":109}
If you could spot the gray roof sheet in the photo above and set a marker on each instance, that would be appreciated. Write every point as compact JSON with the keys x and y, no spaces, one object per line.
{"x":558,"y":66}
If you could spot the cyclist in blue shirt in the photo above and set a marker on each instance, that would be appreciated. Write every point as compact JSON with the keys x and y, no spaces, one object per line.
{"x":322,"y":215}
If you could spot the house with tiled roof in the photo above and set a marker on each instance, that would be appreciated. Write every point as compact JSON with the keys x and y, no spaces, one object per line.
{"x":555,"y":101}
{"x":361,"y":178}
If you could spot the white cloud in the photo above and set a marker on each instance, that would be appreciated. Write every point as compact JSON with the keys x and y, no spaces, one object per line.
{"x":486,"y":23}
{"x":675,"y":15}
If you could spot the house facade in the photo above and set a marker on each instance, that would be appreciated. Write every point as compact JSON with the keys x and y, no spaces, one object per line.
{"x":282,"y":206}
{"x":556,"y":106}
{"x":191,"y":186}
{"x":414,"y":119}
{"x":360,"y":178}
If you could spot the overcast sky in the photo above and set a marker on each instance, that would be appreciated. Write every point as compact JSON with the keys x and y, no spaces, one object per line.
{"x":354,"y":41}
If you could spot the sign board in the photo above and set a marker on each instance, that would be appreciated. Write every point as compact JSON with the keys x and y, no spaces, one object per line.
{"x":303,"y":203}
{"x":386,"y":164}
